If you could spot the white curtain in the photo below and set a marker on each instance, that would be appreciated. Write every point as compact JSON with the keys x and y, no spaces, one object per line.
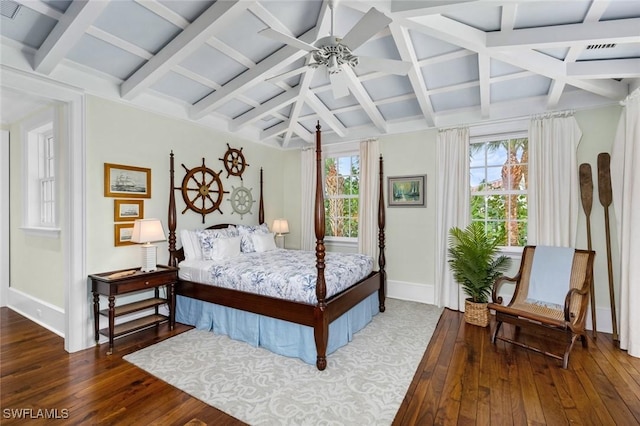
{"x":369,"y":189}
{"x":452,"y":179}
{"x":308,"y":182}
{"x":554,"y":195}
{"x":625,"y":184}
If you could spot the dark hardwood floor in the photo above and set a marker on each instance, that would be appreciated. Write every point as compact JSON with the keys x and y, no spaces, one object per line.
{"x":462,"y":379}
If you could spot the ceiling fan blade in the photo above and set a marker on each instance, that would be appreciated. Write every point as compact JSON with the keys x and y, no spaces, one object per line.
{"x":388,"y":66}
{"x":370,"y":24}
{"x":286,"y":39}
{"x":339,"y":85}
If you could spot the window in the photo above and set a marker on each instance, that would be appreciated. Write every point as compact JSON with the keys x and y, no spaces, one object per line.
{"x":341,"y":198}
{"x":46,"y":178}
{"x":39,"y":184}
{"x":498,"y":186}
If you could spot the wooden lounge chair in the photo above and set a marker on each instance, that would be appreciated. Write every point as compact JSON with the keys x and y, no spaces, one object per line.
{"x":551,"y":295}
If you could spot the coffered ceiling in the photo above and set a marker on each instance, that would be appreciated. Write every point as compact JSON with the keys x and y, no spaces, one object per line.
{"x":214,"y":63}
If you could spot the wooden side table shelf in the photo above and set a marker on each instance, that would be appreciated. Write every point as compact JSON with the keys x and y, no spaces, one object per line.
{"x":115,"y":283}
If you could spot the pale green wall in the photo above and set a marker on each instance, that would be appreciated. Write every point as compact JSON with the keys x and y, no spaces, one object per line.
{"x":117,"y":133}
{"x":598,"y":132}
{"x":36,"y":262}
{"x":411,"y":232}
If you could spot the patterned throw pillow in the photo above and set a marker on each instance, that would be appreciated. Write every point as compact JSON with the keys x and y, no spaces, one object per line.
{"x":246,"y":231}
{"x":207,"y":239}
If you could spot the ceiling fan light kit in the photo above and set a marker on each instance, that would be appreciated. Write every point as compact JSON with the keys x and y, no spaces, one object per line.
{"x":333,"y":55}
{"x":333,"y":52}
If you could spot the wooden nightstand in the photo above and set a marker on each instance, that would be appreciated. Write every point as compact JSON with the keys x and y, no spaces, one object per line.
{"x":115,"y":283}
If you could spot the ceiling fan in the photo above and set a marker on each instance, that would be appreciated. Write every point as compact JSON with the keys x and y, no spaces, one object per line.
{"x":334,"y":53}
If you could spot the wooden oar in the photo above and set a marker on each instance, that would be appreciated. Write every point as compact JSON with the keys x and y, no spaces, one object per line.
{"x":586,"y":194}
{"x":604,"y":193}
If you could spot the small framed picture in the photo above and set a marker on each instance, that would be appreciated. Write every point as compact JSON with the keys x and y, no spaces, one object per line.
{"x":126,"y":181}
{"x":128,"y":210}
{"x":122,"y":234}
{"x":407,"y":191}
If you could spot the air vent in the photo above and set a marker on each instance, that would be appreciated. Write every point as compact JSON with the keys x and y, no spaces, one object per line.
{"x":9,"y":9}
{"x":601,"y":46}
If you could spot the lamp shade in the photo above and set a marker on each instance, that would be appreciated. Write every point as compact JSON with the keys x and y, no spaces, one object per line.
{"x":280,"y":226}
{"x":147,"y":231}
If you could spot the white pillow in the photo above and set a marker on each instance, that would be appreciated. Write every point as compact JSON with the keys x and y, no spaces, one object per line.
{"x":264,"y":242}
{"x":225,"y":248}
{"x":191,"y":244}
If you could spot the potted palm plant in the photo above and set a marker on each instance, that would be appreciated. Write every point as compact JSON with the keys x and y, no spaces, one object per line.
{"x":474,"y":261}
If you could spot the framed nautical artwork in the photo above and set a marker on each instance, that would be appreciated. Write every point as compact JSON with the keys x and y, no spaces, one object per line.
{"x":122,"y":234}
{"x":126,"y":181}
{"x":407,"y":191}
{"x":128,"y":210}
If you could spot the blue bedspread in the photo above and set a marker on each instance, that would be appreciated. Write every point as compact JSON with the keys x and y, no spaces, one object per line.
{"x":289,"y":274}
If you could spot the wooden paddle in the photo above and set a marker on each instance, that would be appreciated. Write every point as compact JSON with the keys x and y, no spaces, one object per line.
{"x":586,"y":193}
{"x":604,"y":193}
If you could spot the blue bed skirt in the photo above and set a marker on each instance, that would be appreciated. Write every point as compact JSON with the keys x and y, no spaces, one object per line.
{"x":278,"y":336}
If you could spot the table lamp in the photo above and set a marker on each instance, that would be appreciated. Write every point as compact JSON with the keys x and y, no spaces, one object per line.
{"x":280,"y":227}
{"x":147,"y":231}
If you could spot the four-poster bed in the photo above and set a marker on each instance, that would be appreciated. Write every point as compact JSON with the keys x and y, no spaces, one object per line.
{"x":328,"y":310}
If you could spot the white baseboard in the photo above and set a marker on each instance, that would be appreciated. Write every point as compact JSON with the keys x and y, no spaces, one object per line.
{"x":42,"y":313}
{"x":423,"y":293}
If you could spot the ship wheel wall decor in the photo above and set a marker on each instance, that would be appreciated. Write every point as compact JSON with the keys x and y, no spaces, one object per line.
{"x":202,"y":190}
{"x":234,"y":162}
{"x":241,"y":200}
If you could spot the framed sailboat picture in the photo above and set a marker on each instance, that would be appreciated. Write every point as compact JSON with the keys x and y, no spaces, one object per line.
{"x":406,"y":191}
{"x":126,"y":181}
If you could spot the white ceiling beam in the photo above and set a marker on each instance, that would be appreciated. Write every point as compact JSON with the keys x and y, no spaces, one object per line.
{"x":119,"y":43}
{"x":42,"y":8}
{"x":260,"y":12}
{"x":407,"y":53}
{"x":212,"y":20}
{"x":595,"y":12}
{"x":164,"y":12}
{"x":274,"y":131}
{"x":445,"y":57}
{"x":454,"y":32}
{"x":618,"y":31}
{"x":223,"y":47}
{"x":67,"y":32}
{"x":281,"y":58}
{"x":508,"y":17}
{"x":283,"y":127}
{"x":612,"y":68}
{"x":302,"y":132}
{"x":409,"y":9}
{"x":325,"y":114}
{"x":553,"y":68}
{"x":294,"y":116}
{"x":360,"y":93}
{"x":273,"y":104}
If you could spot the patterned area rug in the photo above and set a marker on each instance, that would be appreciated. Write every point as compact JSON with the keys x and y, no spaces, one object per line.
{"x":364,"y":383}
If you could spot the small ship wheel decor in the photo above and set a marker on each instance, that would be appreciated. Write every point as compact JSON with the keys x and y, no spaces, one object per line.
{"x":202,"y":190}
{"x":241,"y":200}
{"x":234,"y":162}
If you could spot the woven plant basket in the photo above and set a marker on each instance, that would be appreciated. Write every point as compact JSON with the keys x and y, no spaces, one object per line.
{"x":476,"y":313}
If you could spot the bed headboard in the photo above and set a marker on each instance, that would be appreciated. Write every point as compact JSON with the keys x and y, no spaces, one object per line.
{"x":176,"y":255}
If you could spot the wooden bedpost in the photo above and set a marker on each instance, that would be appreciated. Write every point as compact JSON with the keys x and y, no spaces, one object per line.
{"x":381,"y":259}
{"x":321,"y":328}
{"x":261,"y":203}
{"x":173,"y":260}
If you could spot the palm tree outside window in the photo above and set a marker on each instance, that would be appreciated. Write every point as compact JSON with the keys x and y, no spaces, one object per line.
{"x":498,"y":186}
